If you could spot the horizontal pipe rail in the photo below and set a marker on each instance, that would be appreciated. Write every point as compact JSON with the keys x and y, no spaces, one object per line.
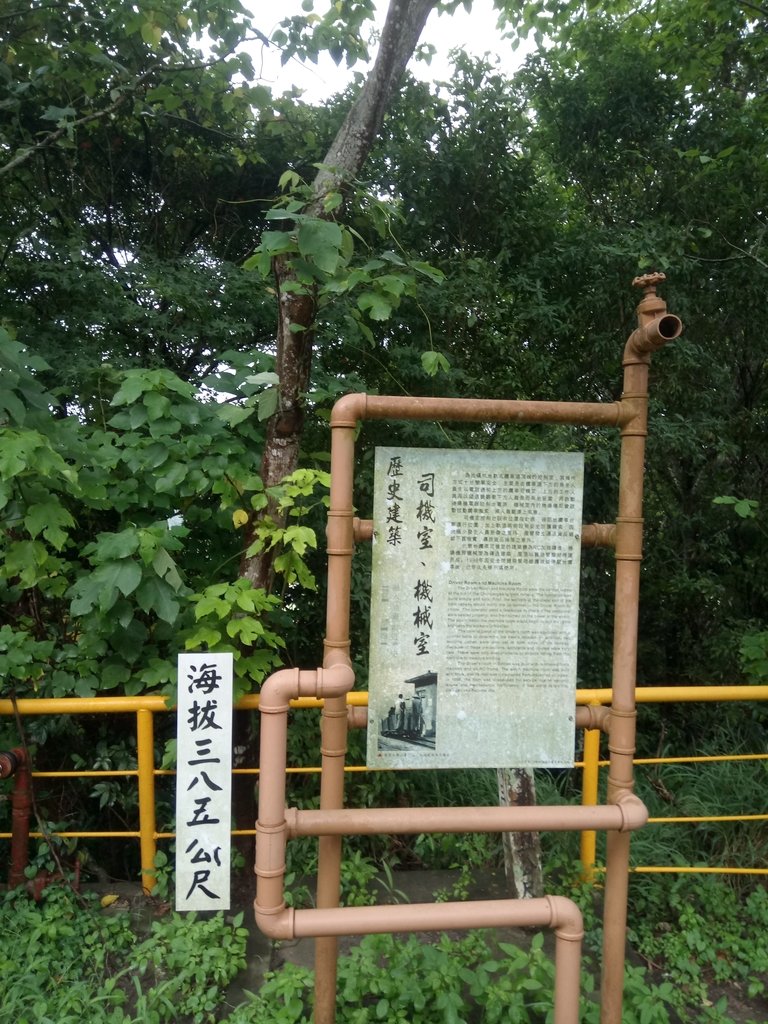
{"x":625,"y":816}
{"x":348,"y":411}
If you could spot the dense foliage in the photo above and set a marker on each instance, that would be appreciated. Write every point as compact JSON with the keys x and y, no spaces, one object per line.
{"x":75,"y":961}
{"x":76,"y":957}
{"x":132,"y":201}
{"x":485,"y":249}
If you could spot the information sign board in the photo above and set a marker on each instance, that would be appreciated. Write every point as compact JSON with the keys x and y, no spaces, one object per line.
{"x":474,"y":613}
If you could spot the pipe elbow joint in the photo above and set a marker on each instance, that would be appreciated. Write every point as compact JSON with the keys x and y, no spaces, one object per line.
{"x":289,"y":683}
{"x":565,"y":918}
{"x":652,"y":336}
{"x":634,"y":813}
{"x":349,"y":410}
{"x":277,"y":923}
{"x":278,"y":689}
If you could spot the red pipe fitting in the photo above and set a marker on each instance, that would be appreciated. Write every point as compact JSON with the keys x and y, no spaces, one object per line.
{"x":14,"y":762}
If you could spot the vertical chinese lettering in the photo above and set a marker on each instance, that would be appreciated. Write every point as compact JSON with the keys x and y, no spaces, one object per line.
{"x":203,"y":781}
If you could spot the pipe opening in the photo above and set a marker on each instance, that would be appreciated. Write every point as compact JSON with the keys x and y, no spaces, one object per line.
{"x":669,"y":326}
{"x":10,"y":760}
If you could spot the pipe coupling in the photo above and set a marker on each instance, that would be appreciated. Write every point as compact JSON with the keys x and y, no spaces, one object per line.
{"x":357,"y":717}
{"x":593,"y":716}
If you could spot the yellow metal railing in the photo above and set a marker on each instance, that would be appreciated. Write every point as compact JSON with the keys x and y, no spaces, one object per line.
{"x":591,"y":768}
{"x":145,"y":708}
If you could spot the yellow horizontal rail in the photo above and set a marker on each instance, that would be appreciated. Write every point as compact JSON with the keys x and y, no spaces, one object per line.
{"x":359,"y":698}
{"x":697,"y":819}
{"x":156,"y":704}
{"x":80,"y":835}
{"x":95,"y":773}
{"x":677,"y":694}
{"x":654,"y":869}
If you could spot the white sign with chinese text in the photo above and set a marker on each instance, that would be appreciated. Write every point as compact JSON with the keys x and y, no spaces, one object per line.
{"x":203,"y":781}
{"x":474,"y":610}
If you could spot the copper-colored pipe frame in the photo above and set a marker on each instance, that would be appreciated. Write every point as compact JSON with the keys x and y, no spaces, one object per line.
{"x":276,"y":824}
{"x":623,"y":810}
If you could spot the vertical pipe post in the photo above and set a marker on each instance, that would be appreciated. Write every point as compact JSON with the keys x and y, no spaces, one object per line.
{"x":340,"y":536}
{"x":654,"y":329}
{"x":15,"y":762}
{"x":589,"y":789}
{"x":621,"y":742}
{"x":145,"y":756}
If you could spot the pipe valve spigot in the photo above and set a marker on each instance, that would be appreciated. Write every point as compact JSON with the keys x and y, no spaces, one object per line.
{"x":656,"y":325}
{"x":648,"y":282}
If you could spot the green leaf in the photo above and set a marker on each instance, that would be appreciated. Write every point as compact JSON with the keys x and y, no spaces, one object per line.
{"x":378,"y":306}
{"x":234,"y":414}
{"x":429,"y":271}
{"x":274,"y":243}
{"x":123,"y":575}
{"x":49,"y":519}
{"x":745,"y":508}
{"x":165,"y":567}
{"x":393,"y":283}
{"x":299,"y":538}
{"x":268,"y":401}
{"x":117,"y":545}
{"x":288,"y":180}
{"x":433,"y":362}
{"x":202,"y":636}
{"x":154,"y":455}
{"x":332,"y":201}
{"x":248,"y":631}
{"x":133,"y":386}
{"x":113,"y":674}
{"x":152,"y":34}
{"x":157,"y":405}
{"x":58,"y":114}
{"x":266,"y":379}
{"x":320,"y":243}
{"x":15,"y":409}
{"x":101,"y":587}
{"x":155,"y":595}
{"x":171,"y":479}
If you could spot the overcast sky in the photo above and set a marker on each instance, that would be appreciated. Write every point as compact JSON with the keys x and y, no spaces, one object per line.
{"x":476,"y":32}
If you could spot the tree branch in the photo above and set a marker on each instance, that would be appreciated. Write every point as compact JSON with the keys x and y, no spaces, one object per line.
{"x":349,"y":150}
{"x":52,"y":137}
{"x":763,"y":11}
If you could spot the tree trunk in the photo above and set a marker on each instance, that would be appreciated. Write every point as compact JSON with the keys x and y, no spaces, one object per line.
{"x":522,"y":850}
{"x":296,"y":311}
{"x":295,"y":330}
